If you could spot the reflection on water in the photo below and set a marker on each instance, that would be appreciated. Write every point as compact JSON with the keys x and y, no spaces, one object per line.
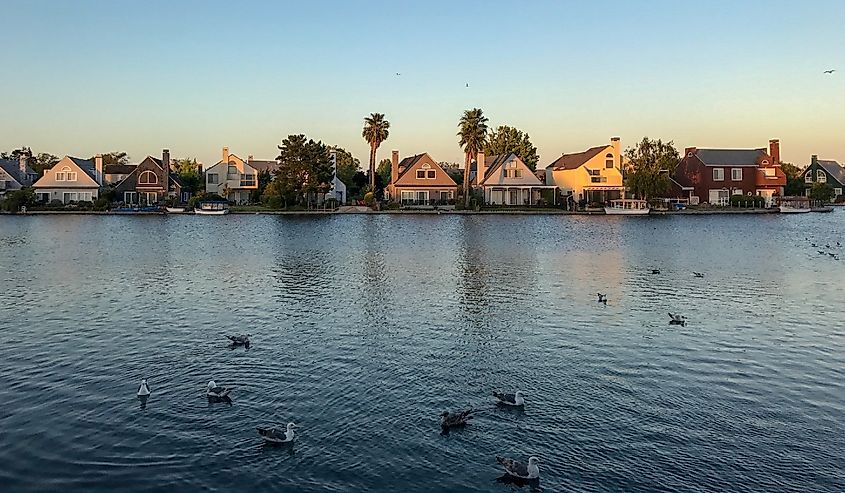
{"x":365,"y":328}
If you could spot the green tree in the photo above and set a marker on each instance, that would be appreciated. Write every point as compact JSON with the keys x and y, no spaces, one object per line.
{"x":24,"y":197}
{"x":472,"y":130}
{"x":43,"y":161}
{"x":189,"y":174}
{"x":265,"y":177}
{"x":651,"y":163}
{"x":304,"y":169}
{"x":15,"y":154}
{"x":116,"y":157}
{"x":376,"y":130}
{"x":821,"y":192}
{"x":794,"y":179}
{"x":384,"y":170}
{"x":347,"y":165}
{"x":505,"y":140}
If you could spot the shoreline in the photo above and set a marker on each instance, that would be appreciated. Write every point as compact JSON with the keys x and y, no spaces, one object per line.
{"x":403,"y":212}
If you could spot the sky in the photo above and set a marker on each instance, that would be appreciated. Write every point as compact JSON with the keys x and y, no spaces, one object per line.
{"x":83,"y":77}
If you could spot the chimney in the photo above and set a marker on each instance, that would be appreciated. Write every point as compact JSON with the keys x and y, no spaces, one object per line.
{"x":688,"y":151}
{"x":249,"y":158}
{"x":616,"y":143}
{"x":225,"y":155}
{"x":480,"y":168}
{"x":394,"y":166}
{"x":814,"y":159}
{"x":165,"y":163}
{"x":774,"y":151}
{"x":22,"y":160}
{"x":98,"y":168}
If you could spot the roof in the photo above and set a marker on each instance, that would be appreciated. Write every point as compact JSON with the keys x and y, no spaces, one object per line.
{"x":836,"y":171}
{"x":263,"y":165}
{"x":574,"y":161}
{"x":119,"y":169}
{"x":12,"y":166}
{"x":408,"y":163}
{"x":729,"y":157}
{"x":85,"y":165}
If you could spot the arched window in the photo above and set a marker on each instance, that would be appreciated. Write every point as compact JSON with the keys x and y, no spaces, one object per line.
{"x":66,"y":174}
{"x":147,"y":178}
{"x":609,"y":161}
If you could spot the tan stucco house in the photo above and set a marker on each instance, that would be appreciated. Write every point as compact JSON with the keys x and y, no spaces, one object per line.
{"x":71,"y":180}
{"x":594,"y":175}
{"x":420,"y":181}
{"x":505,"y":179}
{"x":234,"y":178}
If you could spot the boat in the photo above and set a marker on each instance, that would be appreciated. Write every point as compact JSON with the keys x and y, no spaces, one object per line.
{"x":794,"y":205}
{"x":822,"y":208}
{"x":174,"y":210}
{"x":152,"y":209}
{"x":212,"y":208}
{"x":627,"y":207}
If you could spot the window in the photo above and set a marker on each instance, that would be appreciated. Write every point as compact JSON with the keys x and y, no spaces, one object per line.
{"x":65,"y":174}
{"x":147,"y":178}
{"x":430,"y":174}
{"x":598,"y":179}
{"x":821,"y":176}
{"x":718,"y":174}
{"x":769,"y":173}
{"x":213,"y":179}
{"x":422,"y":196}
{"x":808,"y":178}
{"x":608,"y":161}
{"x":593,"y":172}
{"x":248,"y":180}
{"x":130,"y":197}
{"x":513,"y":173}
{"x":406,"y":195}
{"x":420,"y":174}
{"x":837,"y":192}
{"x":736,"y":174}
{"x":232,"y":172}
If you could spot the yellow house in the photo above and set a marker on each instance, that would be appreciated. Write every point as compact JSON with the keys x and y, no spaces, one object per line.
{"x":594,"y":175}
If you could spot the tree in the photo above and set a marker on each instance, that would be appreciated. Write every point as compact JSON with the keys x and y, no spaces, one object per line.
{"x":304,"y":169}
{"x":794,"y":179}
{"x":651,"y":163}
{"x":347,"y":165}
{"x":472,"y":130}
{"x":43,"y":161}
{"x":16,"y":153}
{"x":116,"y":157}
{"x":189,"y":174}
{"x":376,"y":131}
{"x":821,"y":192}
{"x":384,"y":170}
{"x":505,"y":140}
{"x":14,"y":200}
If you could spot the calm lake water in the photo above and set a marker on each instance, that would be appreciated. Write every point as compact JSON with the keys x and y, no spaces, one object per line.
{"x":366,"y":327}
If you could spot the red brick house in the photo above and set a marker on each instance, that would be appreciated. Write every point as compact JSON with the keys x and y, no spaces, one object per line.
{"x":713,"y":175}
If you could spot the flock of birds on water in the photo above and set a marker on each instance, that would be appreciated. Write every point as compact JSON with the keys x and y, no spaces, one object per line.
{"x":829,"y":248}
{"x":515,"y":470}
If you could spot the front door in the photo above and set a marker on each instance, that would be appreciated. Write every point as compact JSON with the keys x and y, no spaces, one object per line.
{"x":422,"y":197}
{"x":513,"y":198}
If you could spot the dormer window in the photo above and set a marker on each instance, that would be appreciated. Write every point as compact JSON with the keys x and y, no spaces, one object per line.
{"x":420,"y":174}
{"x":808,"y":178}
{"x":608,"y":161}
{"x":147,"y":178}
{"x":430,"y":174}
{"x":821,"y":176}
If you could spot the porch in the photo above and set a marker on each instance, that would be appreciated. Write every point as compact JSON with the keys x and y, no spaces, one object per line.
{"x":517,"y":195}
{"x":601,"y":194}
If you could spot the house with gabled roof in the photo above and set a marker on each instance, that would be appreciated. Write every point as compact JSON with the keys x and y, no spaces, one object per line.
{"x":714,"y":175}
{"x":594,"y":175}
{"x":71,"y":180}
{"x":419,"y":181}
{"x":16,"y":174}
{"x":235,"y":178}
{"x":824,"y":171}
{"x":150,"y":182}
{"x":505,"y":179}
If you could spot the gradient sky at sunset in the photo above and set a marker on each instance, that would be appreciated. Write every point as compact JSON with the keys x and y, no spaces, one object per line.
{"x":82,"y":77}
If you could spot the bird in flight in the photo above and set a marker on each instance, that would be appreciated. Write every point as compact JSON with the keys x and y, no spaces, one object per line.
{"x":397,"y":73}
{"x":467,"y":84}
{"x":829,"y":71}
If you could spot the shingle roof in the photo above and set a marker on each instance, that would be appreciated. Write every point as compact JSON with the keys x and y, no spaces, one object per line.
{"x":407,"y":163}
{"x":574,"y":161}
{"x":119,"y":169}
{"x":836,"y":171}
{"x":263,"y":165}
{"x":12,"y":166}
{"x":729,"y":157}
{"x":85,"y":165}
{"x":493,"y":162}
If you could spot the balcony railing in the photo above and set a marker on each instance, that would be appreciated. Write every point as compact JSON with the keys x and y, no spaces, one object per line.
{"x":430,"y":202}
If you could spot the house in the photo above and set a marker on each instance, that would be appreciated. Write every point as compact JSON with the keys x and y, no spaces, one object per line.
{"x":15,"y":174}
{"x":824,"y":171}
{"x":420,"y":181}
{"x":116,"y":173}
{"x":235,"y":179}
{"x":150,"y":182}
{"x":714,"y":175}
{"x":505,"y":179}
{"x":71,"y":180}
{"x":594,"y":175}
{"x":338,"y":188}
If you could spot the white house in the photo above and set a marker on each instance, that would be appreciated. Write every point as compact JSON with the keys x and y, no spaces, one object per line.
{"x":71,"y":180}
{"x":506,"y":180}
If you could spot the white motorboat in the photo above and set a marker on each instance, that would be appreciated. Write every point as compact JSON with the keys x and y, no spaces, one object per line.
{"x":794,"y":205}
{"x":627,"y":207}
{"x":175,"y":210}
{"x":212,"y":208}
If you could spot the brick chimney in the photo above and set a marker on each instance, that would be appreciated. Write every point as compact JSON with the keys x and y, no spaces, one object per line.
{"x":165,"y":163}
{"x":98,"y":168}
{"x":225,"y":158}
{"x":814,"y":159}
{"x":394,"y":166}
{"x":616,"y":143}
{"x":774,"y":151}
{"x":480,"y":167}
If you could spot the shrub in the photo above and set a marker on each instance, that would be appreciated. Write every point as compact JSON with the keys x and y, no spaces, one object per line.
{"x":24,"y":197}
{"x":747,"y":201}
{"x":369,"y":198}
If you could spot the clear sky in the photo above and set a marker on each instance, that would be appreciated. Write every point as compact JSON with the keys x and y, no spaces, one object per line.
{"x":82,"y":77}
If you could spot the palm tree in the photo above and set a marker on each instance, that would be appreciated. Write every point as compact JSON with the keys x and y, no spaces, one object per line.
{"x":473,"y":134}
{"x":375,"y":132}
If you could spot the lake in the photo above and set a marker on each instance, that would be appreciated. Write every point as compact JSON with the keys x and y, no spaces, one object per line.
{"x":365,"y":327}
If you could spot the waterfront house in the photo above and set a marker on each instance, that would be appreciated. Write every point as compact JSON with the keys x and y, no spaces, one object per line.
{"x":116,"y":173}
{"x":71,"y":180}
{"x":594,"y":175}
{"x":714,"y":175}
{"x":150,"y":182}
{"x":234,"y":178}
{"x":15,"y":174}
{"x":420,"y":181}
{"x":505,"y":179}
{"x":824,"y":171}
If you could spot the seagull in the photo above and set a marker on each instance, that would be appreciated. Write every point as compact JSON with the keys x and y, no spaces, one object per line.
{"x":272,"y":435}
{"x":215,"y":392}
{"x":698,"y":274}
{"x":453,"y":420}
{"x":602,"y":298}
{"x":813,"y":245}
{"x":144,"y":389}
{"x":829,"y":71}
{"x":655,"y":271}
{"x":515,"y":399}
{"x":240,"y":340}
{"x":398,"y":74}
{"x":677,"y":319}
{"x":518,"y":469}
{"x":831,"y":254}
{"x":821,"y":252}
{"x":467,"y":84}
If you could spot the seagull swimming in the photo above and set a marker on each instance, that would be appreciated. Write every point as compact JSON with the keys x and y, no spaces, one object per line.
{"x":272,"y":435}
{"x":655,"y":271}
{"x":240,"y":340}
{"x":602,"y":298}
{"x":677,"y":319}
{"x":144,"y":389}
{"x":698,"y":274}
{"x":516,"y":399}
{"x":452,"y":420}
{"x":518,"y":469}
{"x":215,"y":392}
